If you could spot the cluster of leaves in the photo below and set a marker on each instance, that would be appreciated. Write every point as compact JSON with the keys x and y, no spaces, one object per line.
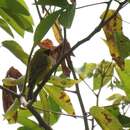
{"x":53,"y":97}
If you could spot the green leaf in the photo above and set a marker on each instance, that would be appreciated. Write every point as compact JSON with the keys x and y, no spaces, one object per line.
{"x":9,"y":81}
{"x":125,"y":77}
{"x":67,"y":16}
{"x":124,"y":120}
{"x":116,"y":98}
{"x":123,"y":44}
{"x":59,"y":3}
{"x":114,"y":110}
{"x":62,"y":82}
{"x":11,"y":22}
{"x":103,"y":74}
{"x":105,"y":119}
{"x":45,"y":106}
{"x":61,"y":98}
{"x":5,"y":27}
{"x":48,"y":105}
{"x":23,"y":21}
{"x":25,"y":112}
{"x":11,"y":114}
{"x":53,"y":106}
{"x":86,"y":71}
{"x":45,"y":25}
{"x":29,"y":17}
{"x":23,"y":120}
{"x":13,"y":6}
{"x":16,"y":49}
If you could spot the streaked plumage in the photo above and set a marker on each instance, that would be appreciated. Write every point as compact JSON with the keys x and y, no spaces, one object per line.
{"x":39,"y":67}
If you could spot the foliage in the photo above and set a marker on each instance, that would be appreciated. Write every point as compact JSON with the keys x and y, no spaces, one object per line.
{"x":48,"y":73}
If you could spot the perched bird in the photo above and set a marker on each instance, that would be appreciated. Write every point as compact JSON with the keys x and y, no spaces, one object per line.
{"x":39,"y":66}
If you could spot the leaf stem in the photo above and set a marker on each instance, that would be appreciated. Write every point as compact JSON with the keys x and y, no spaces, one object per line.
{"x":89,"y":87}
{"x":58,"y":113}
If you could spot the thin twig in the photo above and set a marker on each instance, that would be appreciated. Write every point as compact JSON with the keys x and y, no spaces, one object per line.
{"x":93,"y":125}
{"x":99,"y":91}
{"x":38,"y":11}
{"x":80,"y":98}
{"x":88,"y":5}
{"x":127,"y":109}
{"x":117,"y":1}
{"x":41,"y":122}
{"x":77,"y":87}
{"x":89,"y":87}
{"x":71,"y":91}
{"x":106,"y":11}
{"x":58,"y":113}
{"x":9,"y":91}
{"x":103,"y":75}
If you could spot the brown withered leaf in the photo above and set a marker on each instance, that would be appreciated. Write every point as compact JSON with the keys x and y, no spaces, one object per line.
{"x":59,"y":51}
{"x":13,"y":73}
{"x":7,"y":98}
{"x":57,"y":32}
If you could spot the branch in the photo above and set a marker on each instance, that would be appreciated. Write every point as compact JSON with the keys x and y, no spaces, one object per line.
{"x":30,"y":108}
{"x":71,"y":91}
{"x":96,"y":30}
{"x":10,"y":91}
{"x":38,"y":11}
{"x":84,"y":6}
{"x":58,"y":113}
{"x":42,"y":123}
{"x":70,"y":64}
{"x":79,"y":97}
{"x":89,"y":87}
{"x":103,"y":75}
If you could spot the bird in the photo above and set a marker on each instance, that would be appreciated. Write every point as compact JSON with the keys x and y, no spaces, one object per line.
{"x":39,"y":66}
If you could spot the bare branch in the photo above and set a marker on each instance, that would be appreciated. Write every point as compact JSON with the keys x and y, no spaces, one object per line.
{"x":88,"y":5}
{"x":38,"y":11}
{"x":9,"y":91}
{"x":58,"y":113}
{"x":42,"y":123}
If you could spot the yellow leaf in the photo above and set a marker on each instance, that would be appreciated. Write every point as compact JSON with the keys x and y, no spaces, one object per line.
{"x":9,"y":82}
{"x":112,"y":48}
{"x":57,"y":32}
{"x":114,"y":25}
{"x":105,"y":119}
{"x":110,"y":29}
{"x":61,"y":98}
